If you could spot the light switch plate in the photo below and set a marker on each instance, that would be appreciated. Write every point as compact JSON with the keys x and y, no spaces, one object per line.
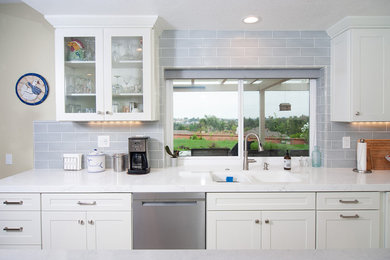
{"x":103,"y":141}
{"x":8,"y":158}
{"x":346,"y":142}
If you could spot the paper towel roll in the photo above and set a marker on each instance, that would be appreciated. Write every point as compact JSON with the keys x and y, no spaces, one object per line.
{"x":362,"y":156}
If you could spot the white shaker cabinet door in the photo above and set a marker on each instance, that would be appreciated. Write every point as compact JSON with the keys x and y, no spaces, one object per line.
{"x":288,"y":230}
{"x":233,"y":230}
{"x":348,"y":229}
{"x":370,"y":74}
{"x":109,"y":230}
{"x":64,"y":230}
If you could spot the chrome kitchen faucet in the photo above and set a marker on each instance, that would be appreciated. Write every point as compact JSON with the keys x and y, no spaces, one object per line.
{"x":246,"y":160}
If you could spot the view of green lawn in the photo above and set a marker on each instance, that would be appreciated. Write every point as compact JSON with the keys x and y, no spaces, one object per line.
{"x":181,"y":144}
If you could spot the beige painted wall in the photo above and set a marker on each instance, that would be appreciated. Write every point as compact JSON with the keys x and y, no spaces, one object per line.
{"x":26,"y":45}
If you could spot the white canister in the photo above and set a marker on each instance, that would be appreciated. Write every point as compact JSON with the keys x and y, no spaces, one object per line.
{"x":96,"y":161}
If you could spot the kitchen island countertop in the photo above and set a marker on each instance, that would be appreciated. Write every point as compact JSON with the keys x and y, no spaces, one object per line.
{"x":346,"y":254}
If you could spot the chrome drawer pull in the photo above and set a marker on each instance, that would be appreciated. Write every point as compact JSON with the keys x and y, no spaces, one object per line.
{"x":349,"y":201}
{"x":13,"y":229}
{"x":355,"y":216}
{"x":13,"y":202}
{"x":86,"y":203}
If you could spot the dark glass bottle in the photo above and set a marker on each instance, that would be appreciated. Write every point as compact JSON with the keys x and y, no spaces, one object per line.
{"x":287,"y":161}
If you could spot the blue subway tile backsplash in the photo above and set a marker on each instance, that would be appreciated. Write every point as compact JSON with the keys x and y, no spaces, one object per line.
{"x":215,"y":49}
{"x":52,"y":139}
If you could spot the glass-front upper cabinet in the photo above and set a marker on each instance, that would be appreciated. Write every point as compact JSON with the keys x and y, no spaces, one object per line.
{"x":105,"y":74}
{"x":128,"y":73}
{"x":79,"y":74}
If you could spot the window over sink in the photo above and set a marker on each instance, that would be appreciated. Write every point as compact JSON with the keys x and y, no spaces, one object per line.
{"x":210,"y":116}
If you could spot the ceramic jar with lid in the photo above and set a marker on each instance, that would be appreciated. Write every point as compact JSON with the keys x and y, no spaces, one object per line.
{"x":96,"y":161}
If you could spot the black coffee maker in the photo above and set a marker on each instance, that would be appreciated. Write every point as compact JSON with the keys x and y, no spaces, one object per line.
{"x":138,"y":155}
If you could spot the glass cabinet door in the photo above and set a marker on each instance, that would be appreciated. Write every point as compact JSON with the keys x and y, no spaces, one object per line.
{"x":80,"y":74}
{"x":127,"y":74}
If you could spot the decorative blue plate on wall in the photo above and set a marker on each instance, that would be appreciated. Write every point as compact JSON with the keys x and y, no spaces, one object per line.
{"x":32,"y":89}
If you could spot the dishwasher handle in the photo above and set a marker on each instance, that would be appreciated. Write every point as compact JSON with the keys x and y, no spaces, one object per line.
{"x":168,"y":203}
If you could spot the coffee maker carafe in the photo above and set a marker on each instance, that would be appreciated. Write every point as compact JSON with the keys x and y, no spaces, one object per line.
{"x":138,"y":155}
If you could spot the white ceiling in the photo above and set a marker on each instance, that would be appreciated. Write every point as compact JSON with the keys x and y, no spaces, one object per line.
{"x":224,"y":14}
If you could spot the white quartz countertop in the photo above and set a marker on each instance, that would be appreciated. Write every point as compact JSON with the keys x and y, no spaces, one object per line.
{"x":196,"y":179}
{"x":352,"y":254}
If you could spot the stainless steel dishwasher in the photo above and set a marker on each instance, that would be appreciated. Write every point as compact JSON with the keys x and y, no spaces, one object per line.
{"x":169,"y":221}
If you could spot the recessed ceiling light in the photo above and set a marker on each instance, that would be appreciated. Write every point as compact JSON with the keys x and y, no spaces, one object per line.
{"x":250,"y":19}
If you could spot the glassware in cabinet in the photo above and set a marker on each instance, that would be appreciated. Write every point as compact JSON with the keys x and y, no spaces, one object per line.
{"x":80,"y":74}
{"x":127,"y":74}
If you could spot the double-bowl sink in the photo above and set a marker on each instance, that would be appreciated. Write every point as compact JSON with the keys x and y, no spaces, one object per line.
{"x":248,"y":177}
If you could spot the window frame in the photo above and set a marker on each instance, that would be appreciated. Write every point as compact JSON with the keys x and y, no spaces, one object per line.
{"x":233,"y":159}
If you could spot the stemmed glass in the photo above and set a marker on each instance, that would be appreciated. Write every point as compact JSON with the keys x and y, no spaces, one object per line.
{"x":116,"y":88}
{"x":127,"y":84}
{"x":115,"y":51}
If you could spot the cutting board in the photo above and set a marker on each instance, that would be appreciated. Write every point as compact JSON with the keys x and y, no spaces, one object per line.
{"x":377,"y":149}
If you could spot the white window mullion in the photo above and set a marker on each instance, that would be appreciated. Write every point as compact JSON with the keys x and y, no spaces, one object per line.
{"x":168,"y":136}
{"x":312,"y":116}
{"x":240,"y":127}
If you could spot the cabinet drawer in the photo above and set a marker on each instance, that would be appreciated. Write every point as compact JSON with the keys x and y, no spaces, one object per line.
{"x":20,"y":227}
{"x":87,"y":201}
{"x":348,"y":200}
{"x":19,"y":201}
{"x":260,"y":201}
{"x":348,"y":229}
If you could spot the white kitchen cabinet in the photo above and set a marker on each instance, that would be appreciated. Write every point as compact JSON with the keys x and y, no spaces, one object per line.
{"x":86,"y":230}
{"x":86,"y":221}
{"x":360,"y":82}
{"x":288,"y":230}
{"x":64,"y":230}
{"x":348,"y":220}
{"x":233,"y":230}
{"x":348,"y":229}
{"x":109,"y":230}
{"x":105,"y":73}
{"x":20,"y":220}
{"x":260,"y":230}
{"x":260,"y":221}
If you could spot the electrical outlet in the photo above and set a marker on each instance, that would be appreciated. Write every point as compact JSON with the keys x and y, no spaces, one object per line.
{"x":103,"y":141}
{"x":8,"y":158}
{"x":346,"y":142}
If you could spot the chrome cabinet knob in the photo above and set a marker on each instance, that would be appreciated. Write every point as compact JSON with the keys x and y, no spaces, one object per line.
{"x":91,"y":222}
{"x":81,"y":222}
{"x":266,"y":221}
{"x":99,"y":112}
{"x":257,"y":221}
{"x":108,"y":113}
{"x":357,"y":113}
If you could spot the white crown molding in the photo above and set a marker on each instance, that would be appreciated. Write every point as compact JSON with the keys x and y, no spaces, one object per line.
{"x":75,"y":21}
{"x":358,"y":22}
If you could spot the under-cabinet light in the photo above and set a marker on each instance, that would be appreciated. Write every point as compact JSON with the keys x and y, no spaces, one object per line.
{"x":119,"y":123}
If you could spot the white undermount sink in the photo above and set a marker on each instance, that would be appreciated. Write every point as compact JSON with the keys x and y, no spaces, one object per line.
{"x":238,"y":177}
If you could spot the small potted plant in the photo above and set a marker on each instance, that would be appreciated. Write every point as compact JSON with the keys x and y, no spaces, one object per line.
{"x":173,"y":155}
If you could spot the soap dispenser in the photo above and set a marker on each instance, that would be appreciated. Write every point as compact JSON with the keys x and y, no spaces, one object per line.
{"x":287,"y":161}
